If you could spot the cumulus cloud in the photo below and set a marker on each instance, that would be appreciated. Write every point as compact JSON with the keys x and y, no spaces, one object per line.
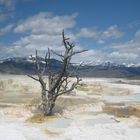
{"x":14,"y":51}
{"x":46,"y":23}
{"x":40,"y":42}
{"x":112,"y":32}
{"x":5,"y":51}
{"x":91,"y":57}
{"x":124,"y":53}
{"x":131,"y":46}
{"x":44,"y":30}
{"x":127,"y":52}
{"x":87,"y":33}
{"x":6,"y":29}
{"x":123,"y":58}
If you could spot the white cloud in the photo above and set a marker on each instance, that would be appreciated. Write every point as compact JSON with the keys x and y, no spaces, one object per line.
{"x":14,"y":51}
{"x":87,"y":33}
{"x":44,"y":30}
{"x":6,"y":29}
{"x":90,"y":56}
{"x":40,"y":42}
{"x":46,"y":23}
{"x":5,"y":51}
{"x":127,"y":52}
{"x":132,"y":46}
{"x":112,"y":32}
{"x":122,"y":57}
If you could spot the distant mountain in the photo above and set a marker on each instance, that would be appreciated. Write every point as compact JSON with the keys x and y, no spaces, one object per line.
{"x":25,"y":65}
{"x":110,"y":70}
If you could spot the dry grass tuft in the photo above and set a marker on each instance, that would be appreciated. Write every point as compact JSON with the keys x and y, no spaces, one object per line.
{"x":52,"y":133}
{"x":119,"y":111}
{"x":39,"y":118}
{"x":25,"y":88}
{"x":10,"y":81}
{"x":2,"y":85}
{"x":35,"y":101}
{"x":83,"y":87}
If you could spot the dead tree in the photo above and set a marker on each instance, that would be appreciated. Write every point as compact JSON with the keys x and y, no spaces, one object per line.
{"x":58,"y":83}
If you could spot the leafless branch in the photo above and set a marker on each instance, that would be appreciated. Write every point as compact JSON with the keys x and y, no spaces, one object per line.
{"x":33,"y":77}
{"x":60,"y":55}
{"x":73,"y":86}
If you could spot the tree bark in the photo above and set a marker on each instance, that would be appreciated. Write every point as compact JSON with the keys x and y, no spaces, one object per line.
{"x":44,"y":98}
{"x":50,"y":104}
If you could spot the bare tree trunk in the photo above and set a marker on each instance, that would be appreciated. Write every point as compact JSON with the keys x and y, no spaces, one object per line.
{"x":50,"y":104}
{"x":44,"y":98}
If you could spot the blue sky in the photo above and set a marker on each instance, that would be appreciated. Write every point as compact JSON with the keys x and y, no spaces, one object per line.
{"x":109,"y":29}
